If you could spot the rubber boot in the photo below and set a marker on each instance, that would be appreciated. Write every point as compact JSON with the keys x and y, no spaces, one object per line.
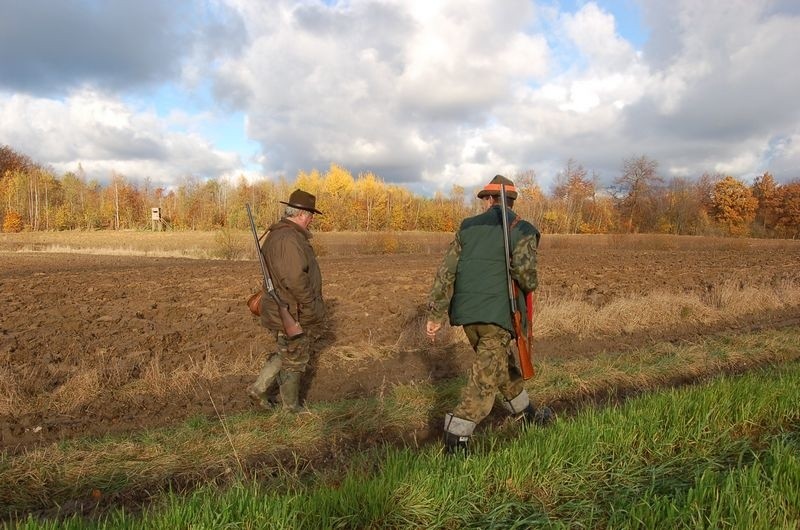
{"x":455,"y":445}
{"x":456,"y":435}
{"x":258,"y":391}
{"x":290,"y":391}
{"x":539,"y":417}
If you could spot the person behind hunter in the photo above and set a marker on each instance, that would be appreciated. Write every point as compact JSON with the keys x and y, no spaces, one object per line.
{"x":471,"y":285}
{"x":297,"y":279}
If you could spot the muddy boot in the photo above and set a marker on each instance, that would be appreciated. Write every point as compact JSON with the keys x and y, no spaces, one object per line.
{"x":258,"y":391}
{"x":540,"y":417}
{"x":290,"y":391}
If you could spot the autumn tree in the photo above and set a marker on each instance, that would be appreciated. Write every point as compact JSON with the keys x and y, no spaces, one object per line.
{"x":312,"y":182}
{"x":271,"y":193}
{"x":765,"y":190}
{"x":34,"y":198}
{"x":11,"y":160}
{"x":261,"y":196}
{"x":599,"y":216}
{"x":37,"y":188}
{"x":402,"y":209}
{"x":685,"y":212}
{"x":26,"y":184}
{"x":634,"y":190}
{"x":12,"y":186}
{"x":68,"y":202}
{"x":573,"y":190}
{"x":733,"y":205}
{"x":788,"y":209}
{"x":457,"y":210}
{"x":372,"y":198}
{"x":12,"y":222}
{"x":531,"y":202}
{"x":335,"y":200}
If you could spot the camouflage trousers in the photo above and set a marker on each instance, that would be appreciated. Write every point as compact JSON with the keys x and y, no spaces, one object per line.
{"x":292,"y":355}
{"x":295,"y":353}
{"x":493,"y":372}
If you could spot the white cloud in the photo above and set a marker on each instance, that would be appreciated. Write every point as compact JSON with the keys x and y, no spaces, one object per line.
{"x":593,"y":32}
{"x":388,"y":87}
{"x":102,"y":134}
{"x":427,"y":93}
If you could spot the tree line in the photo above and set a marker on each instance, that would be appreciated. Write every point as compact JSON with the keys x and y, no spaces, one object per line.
{"x":639,"y":200}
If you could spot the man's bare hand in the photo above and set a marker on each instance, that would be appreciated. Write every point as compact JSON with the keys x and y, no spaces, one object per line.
{"x":431,"y":328}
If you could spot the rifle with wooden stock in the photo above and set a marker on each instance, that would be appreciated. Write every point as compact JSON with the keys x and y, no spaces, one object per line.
{"x":290,"y":326}
{"x":522,"y":339}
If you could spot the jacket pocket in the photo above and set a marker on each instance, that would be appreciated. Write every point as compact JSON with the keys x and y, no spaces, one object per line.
{"x":311,"y":313}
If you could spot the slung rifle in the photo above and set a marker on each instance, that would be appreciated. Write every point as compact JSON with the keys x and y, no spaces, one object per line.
{"x":523,"y":342}
{"x":290,"y":326}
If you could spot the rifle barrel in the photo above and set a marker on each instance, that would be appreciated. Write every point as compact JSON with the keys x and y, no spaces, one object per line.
{"x":264,"y":270}
{"x":504,"y":215}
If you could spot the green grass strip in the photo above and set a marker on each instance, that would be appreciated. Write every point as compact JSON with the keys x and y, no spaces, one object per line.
{"x":725,"y":454}
{"x":603,"y":466}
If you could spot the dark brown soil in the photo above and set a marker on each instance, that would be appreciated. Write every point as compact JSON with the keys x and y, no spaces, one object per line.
{"x":63,"y":313}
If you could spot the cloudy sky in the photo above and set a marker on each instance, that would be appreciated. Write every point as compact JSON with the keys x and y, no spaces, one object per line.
{"x":424,"y":93}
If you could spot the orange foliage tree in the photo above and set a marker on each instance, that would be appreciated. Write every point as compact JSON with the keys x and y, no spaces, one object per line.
{"x":765,"y":190}
{"x":788,"y":209}
{"x":12,"y":222}
{"x":733,"y":205}
{"x":639,"y":202}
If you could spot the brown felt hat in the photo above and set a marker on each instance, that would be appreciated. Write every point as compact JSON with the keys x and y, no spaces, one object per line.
{"x":302,"y":200}
{"x":493,"y":188}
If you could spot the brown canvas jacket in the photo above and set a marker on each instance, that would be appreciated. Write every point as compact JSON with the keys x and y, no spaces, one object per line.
{"x":295,"y":275}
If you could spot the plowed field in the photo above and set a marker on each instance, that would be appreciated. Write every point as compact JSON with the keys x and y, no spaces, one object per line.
{"x":97,"y":344}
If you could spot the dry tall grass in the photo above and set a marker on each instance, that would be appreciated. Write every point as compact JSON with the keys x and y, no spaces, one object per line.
{"x":94,"y":378}
{"x":220,"y":244}
{"x":661,"y":310}
{"x":227,"y":244}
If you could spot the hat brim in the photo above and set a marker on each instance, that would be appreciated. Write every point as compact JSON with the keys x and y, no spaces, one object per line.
{"x":301,"y":207}
{"x":492,"y":193}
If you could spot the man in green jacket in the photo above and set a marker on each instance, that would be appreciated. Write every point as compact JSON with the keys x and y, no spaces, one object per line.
{"x":471,"y":285}
{"x":297,"y":279}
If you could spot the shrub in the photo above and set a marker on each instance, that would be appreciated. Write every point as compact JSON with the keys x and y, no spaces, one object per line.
{"x":12,"y":222}
{"x":229,"y":244}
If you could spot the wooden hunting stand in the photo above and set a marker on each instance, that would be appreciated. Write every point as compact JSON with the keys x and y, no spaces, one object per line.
{"x":157,"y":221}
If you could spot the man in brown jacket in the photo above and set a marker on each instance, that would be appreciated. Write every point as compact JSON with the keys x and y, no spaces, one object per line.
{"x":297,"y":279}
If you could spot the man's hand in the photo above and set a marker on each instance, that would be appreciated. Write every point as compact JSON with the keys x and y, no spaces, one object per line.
{"x":431,"y":328}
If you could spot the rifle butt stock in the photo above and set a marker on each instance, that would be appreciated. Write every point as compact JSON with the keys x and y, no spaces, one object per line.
{"x":523,"y":348}
{"x":291,"y":326}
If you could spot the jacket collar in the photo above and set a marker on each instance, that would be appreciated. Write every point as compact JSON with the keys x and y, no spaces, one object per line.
{"x":285,"y":223}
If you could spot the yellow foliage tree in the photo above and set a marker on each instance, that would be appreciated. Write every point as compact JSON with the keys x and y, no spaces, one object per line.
{"x":372,"y":201}
{"x":400,"y":209}
{"x":335,"y":200}
{"x":310,"y":182}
